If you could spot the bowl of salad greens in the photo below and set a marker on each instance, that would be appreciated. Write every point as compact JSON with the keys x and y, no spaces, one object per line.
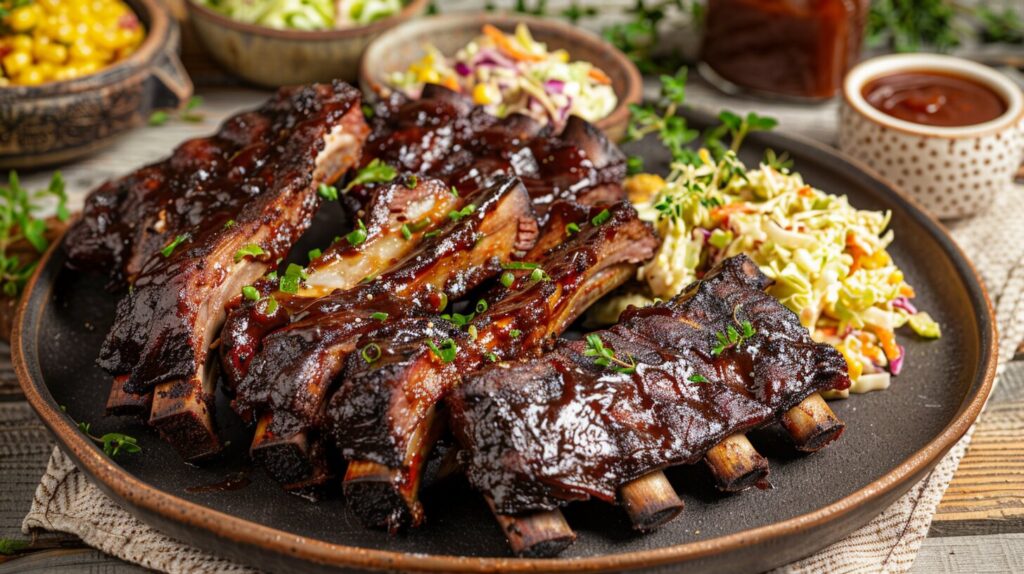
{"x":508,"y":64}
{"x":280,"y":42}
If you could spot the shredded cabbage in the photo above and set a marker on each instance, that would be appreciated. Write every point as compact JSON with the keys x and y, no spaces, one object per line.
{"x":828,"y":259}
{"x":514,"y":73}
{"x":306,"y":14}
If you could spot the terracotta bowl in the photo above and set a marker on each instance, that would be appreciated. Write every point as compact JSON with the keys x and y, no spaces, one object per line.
{"x":61,"y":121}
{"x":953,"y":172}
{"x":395,"y":50}
{"x":273,"y":57}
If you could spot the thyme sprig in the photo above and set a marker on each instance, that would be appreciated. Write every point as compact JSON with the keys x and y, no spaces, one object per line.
{"x":113,"y":443}
{"x":606,"y":357}
{"x":732,"y":338}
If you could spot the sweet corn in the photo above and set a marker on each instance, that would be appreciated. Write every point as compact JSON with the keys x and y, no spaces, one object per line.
{"x":483,"y":95}
{"x":56,"y":40}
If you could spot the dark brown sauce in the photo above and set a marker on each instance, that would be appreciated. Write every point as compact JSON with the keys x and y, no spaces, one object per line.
{"x":934,"y":99}
{"x":236,"y":481}
{"x":787,"y":47}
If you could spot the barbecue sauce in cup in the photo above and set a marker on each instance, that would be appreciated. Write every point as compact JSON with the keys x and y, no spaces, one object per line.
{"x":934,"y":99}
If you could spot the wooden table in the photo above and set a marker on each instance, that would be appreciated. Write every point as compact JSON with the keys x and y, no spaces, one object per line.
{"x":979,"y":526}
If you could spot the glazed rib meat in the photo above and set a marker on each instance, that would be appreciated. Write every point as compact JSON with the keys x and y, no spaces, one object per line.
{"x":296,"y":365}
{"x":444,"y":135}
{"x":188,"y":233}
{"x":385,"y":412}
{"x":541,"y":433}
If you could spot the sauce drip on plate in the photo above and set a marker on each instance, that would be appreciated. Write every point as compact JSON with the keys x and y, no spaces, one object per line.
{"x":934,"y":99}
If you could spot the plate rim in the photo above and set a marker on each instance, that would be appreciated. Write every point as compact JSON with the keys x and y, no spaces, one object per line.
{"x":148,"y":499}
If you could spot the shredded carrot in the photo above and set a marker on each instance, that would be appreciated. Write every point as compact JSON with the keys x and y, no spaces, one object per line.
{"x":507,"y":46}
{"x":726,"y":210}
{"x":599,"y":76}
{"x":827,"y":331}
{"x":907,"y":291}
{"x":805,"y":191}
{"x":888,"y":341}
{"x":452,"y":84}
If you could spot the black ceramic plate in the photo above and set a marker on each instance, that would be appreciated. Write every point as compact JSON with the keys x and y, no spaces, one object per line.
{"x":893,"y":438}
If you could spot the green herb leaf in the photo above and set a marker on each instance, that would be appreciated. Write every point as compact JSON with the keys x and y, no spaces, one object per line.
{"x":634,"y":165}
{"x":507,"y":278}
{"x":520,"y":265}
{"x":328,"y":192}
{"x":358,"y":235}
{"x":464,"y":212}
{"x":250,"y":293}
{"x":374,"y":172}
{"x":10,"y":546}
{"x":601,"y":218}
{"x":158,"y":118}
{"x":249,"y":250}
{"x":114,"y":443}
{"x":169,"y":248}
{"x":446,"y":351}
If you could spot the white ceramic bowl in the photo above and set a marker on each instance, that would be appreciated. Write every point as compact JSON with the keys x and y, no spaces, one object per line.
{"x":952,"y":171}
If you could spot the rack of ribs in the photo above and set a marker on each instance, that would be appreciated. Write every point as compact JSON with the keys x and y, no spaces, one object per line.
{"x":386,"y":415}
{"x":444,"y":135}
{"x":188,"y":233}
{"x":717,"y":361}
{"x":299,"y":363}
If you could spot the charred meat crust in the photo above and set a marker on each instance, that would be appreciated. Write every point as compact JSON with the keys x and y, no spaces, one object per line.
{"x":423,"y":206}
{"x":379,"y":406}
{"x":298,"y":363}
{"x":444,"y":135}
{"x":254,"y":183}
{"x":609,"y":428}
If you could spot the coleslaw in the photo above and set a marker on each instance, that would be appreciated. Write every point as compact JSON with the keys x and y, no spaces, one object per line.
{"x":307,"y":14}
{"x":829,"y":260}
{"x":513,"y":73}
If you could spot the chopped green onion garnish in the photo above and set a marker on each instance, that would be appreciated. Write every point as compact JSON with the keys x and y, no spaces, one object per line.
{"x":328,"y":192}
{"x":248,"y":250}
{"x":358,"y":235}
{"x":250,"y":293}
{"x":481,"y":306}
{"x":539,"y":275}
{"x":572,"y":228}
{"x":464,"y":212}
{"x":507,"y":278}
{"x":520,"y":265}
{"x":602,"y":217}
{"x":697,"y":379}
{"x":166,"y":251}
{"x":371,"y":353}
{"x":379,"y":316}
{"x":515,"y":333}
{"x":406,"y":232}
{"x":314,"y":253}
{"x":446,"y":351}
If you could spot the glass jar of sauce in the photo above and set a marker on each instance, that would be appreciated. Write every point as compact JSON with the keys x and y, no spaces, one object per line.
{"x":934,"y":98}
{"x":791,"y":48}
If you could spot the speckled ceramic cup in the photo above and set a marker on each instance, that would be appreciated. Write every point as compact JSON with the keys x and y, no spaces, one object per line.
{"x":952,"y":171}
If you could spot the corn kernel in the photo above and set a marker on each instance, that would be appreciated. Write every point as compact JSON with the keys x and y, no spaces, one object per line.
{"x":23,"y":19}
{"x":15,"y":62}
{"x":482,"y":94}
{"x":30,"y":77}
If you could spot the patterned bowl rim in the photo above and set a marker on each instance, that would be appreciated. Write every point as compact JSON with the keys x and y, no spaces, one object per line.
{"x":875,"y":68}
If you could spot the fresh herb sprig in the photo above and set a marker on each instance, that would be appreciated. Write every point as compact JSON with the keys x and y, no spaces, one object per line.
{"x":187,"y":114}
{"x":374,"y":172}
{"x":19,"y":222}
{"x":114,"y":443}
{"x":606,"y":357}
{"x":732,"y":338}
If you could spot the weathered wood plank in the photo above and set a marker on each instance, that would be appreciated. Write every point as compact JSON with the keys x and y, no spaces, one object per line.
{"x":987,"y":491}
{"x":975,"y":554}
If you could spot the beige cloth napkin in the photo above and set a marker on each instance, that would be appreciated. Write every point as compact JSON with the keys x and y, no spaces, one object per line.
{"x":67,"y":502}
